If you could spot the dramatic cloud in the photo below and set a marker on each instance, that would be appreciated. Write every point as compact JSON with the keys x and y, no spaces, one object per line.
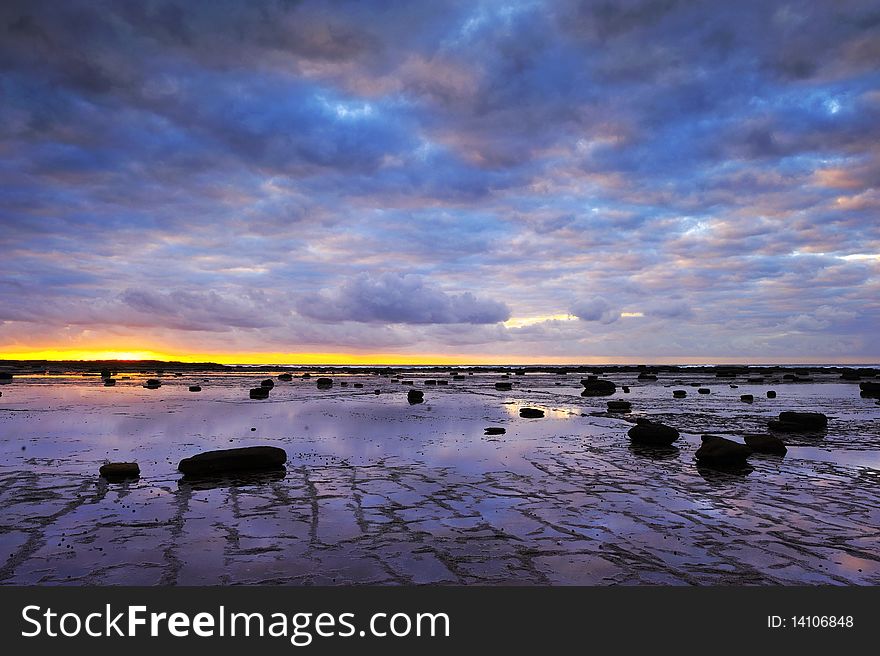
{"x":595,"y":309}
{"x":690,"y":180}
{"x":391,"y":298}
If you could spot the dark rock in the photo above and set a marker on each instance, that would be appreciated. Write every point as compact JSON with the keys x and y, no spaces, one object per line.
{"x":503,"y":387}
{"x":195,"y":388}
{"x":358,"y":385}
{"x":646,"y":376}
{"x":597,"y":387}
{"x":307,"y":375}
{"x":771,"y":394}
{"x":799,"y":422}
{"x":494,"y":430}
{"x":619,"y":406}
{"x":442,"y":382}
{"x":679,"y":394}
{"x":531,"y":413}
{"x":870,"y":390}
{"x":325,"y":383}
{"x":732,"y":386}
{"x":259,"y":393}
{"x":625,"y":389}
{"x":109,"y":382}
{"x":415,"y":396}
{"x":105,"y":373}
{"x":268,"y":383}
{"x":458,"y":377}
{"x":5,"y":377}
{"x":648,"y":432}
{"x":746,"y":398}
{"x":430,"y":381}
{"x":704,"y":390}
{"x":285,"y":377}
{"x":721,"y":451}
{"x":406,"y":382}
{"x":250,"y":458}
{"x":113,"y":471}
{"x":815,"y":419}
{"x":153,"y":383}
{"x":765,"y":444}
{"x":344,"y":383}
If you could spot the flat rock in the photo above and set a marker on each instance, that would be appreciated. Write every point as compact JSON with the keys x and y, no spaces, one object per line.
{"x":119,"y":470}
{"x":259,"y":393}
{"x":503,"y":387}
{"x":765,"y":444}
{"x":415,"y":396}
{"x":598,"y":387}
{"x":250,"y":458}
{"x":195,"y":388}
{"x":717,"y":450}
{"x":531,"y":413}
{"x":648,"y":432}
{"x":324,"y":383}
{"x":619,"y":406}
{"x":494,"y":430}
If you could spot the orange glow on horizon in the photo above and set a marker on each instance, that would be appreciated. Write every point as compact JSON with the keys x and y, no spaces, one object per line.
{"x":293,"y":358}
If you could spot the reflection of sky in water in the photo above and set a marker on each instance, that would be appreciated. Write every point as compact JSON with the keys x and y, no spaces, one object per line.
{"x":421,"y":487}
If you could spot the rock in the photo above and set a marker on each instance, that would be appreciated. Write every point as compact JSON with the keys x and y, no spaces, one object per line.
{"x":648,"y":432}
{"x":285,"y":377}
{"x":358,"y":385}
{"x":679,"y":394}
{"x":870,"y":390}
{"x":268,"y":383}
{"x":307,"y":375}
{"x":415,"y":396}
{"x":494,"y":430}
{"x":406,"y":382}
{"x":598,"y":387}
{"x":746,"y":398}
{"x":259,"y":393}
{"x":344,"y":383}
{"x":458,"y":377}
{"x":765,"y":444}
{"x":105,"y":373}
{"x":531,"y":413}
{"x":442,"y":382}
{"x":757,"y":380}
{"x":721,"y":451}
{"x":645,"y":376}
{"x":504,"y":387}
{"x":109,"y":382}
{"x":704,"y":390}
{"x":619,"y":406}
{"x":250,"y":458}
{"x":771,"y":394}
{"x":153,"y":383}
{"x":799,"y":422}
{"x":5,"y":376}
{"x":625,"y":389}
{"x":430,"y":381}
{"x":324,"y":383}
{"x":195,"y":388}
{"x":732,"y":386}
{"x":377,"y":392}
{"x":113,"y":471}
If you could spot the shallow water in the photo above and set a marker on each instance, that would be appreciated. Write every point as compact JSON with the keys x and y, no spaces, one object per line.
{"x":379,"y":491}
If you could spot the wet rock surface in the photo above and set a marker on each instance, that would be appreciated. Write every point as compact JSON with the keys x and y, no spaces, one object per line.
{"x":377,"y":491}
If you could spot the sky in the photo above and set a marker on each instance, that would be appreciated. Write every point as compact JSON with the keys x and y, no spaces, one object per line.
{"x":558,"y":181}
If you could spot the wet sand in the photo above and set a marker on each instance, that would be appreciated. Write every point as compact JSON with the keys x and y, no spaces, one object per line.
{"x":378,"y":491}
